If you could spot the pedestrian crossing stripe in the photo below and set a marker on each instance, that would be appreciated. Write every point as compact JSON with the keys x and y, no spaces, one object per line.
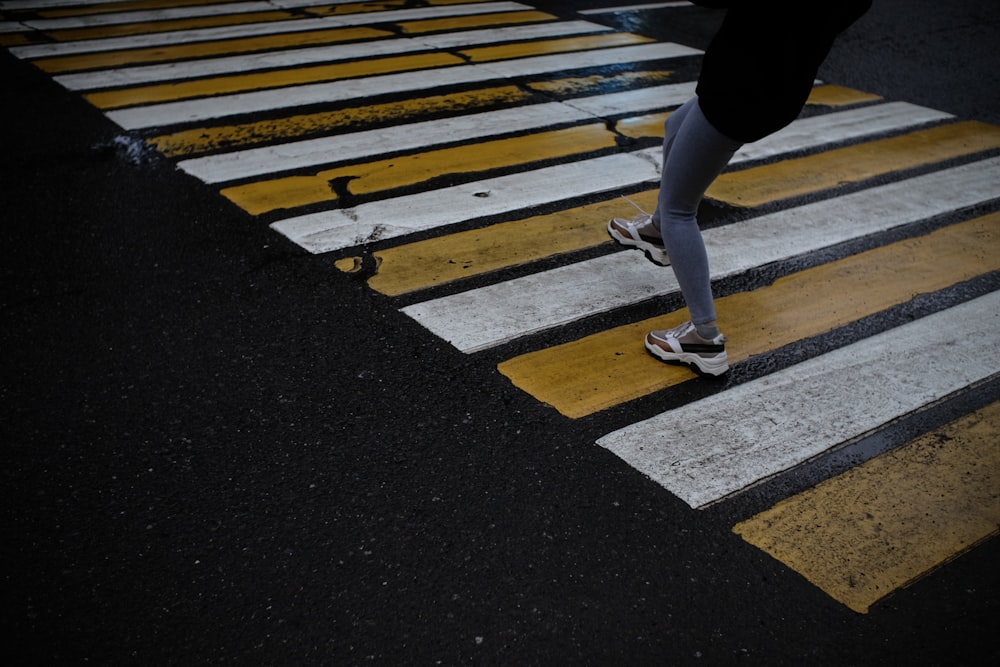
{"x":611,"y":367}
{"x":489,"y":316}
{"x":445,"y":239}
{"x":704,"y":451}
{"x":882,"y":525}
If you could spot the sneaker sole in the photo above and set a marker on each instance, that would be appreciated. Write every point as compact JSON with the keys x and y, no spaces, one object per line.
{"x":653,"y":254}
{"x":716,"y":365}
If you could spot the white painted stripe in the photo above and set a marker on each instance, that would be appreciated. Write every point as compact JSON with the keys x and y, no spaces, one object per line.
{"x":344,"y":148}
{"x":11,"y":26}
{"x":717,"y":446}
{"x":159,"y":115}
{"x":119,"y":18}
{"x":633,"y":8}
{"x":130,"y":76}
{"x":450,"y":206}
{"x":396,"y":217}
{"x":492,"y":315}
{"x":244,"y":30}
{"x":46,"y":4}
{"x":840,"y":126}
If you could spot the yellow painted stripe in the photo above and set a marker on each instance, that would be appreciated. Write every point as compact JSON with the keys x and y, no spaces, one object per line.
{"x":15,"y":39}
{"x":441,"y":260}
{"x":467,"y":22}
{"x":566,"y":45}
{"x":245,"y":135}
{"x":651,"y":125}
{"x":880,"y":526}
{"x":100,"y":32}
{"x":791,"y":178}
{"x":581,"y":85}
{"x":232,"y":137}
{"x":263,"y":196}
{"x":839,"y":96}
{"x":445,"y":259}
{"x":110,"y":59}
{"x":114,"y":7}
{"x":220,"y":85}
{"x":611,"y":367}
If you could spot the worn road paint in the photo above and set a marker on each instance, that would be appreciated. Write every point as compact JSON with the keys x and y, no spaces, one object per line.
{"x":482,"y":318}
{"x":371,"y":177}
{"x":799,"y":176}
{"x":884,"y":524}
{"x":223,"y":106}
{"x":227,"y":85}
{"x":293,"y":54}
{"x":753,"y":431}
{"x":359,"y":145}
{"x":145,"y":56}
{"x":152,"y":37}
{"x":612,"y":367}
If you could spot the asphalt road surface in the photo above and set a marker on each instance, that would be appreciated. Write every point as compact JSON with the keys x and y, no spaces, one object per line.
{"x":227,"y":442}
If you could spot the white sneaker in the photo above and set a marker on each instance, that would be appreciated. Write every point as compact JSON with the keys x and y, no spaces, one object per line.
{"x":639,"y":233}
{"x":682,"y":344}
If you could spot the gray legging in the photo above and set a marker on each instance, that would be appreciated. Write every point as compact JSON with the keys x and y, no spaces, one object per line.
{"x":694,"y":154}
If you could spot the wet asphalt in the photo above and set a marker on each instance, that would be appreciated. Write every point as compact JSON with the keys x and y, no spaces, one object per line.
{"x":222,"y":450}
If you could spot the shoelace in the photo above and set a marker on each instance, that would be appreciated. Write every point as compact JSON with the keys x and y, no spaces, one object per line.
{"x":638,"y":208}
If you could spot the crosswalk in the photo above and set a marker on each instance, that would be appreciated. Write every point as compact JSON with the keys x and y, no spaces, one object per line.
{"x":467,"y":155}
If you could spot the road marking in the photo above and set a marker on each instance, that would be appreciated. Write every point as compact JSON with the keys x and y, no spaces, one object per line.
{"x":218,"y":81}
{"x":790,"y":178}
{"x":482,"y":318}
{"x":237,"y":83}
{"x":350,"y":147}
{"x":223,"y":106}
{"x":134,"y":76}
{"x":340,"y":228}
{"x":455,"y":256}
{"x":155,"y":15}
{"x":707,"y":450}
{"x":880,"y":526}
{"x":611,"y":367}
{"x":371,"y":177}
{"x":174,"y":37}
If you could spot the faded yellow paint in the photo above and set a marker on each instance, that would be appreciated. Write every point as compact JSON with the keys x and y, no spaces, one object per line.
{"x":599,"y":82}
{"x":606,"y":369}
{"x":838,"y":96}
{"x":14,"y":39}
{"x":111,"y":59}
{"x":220,"y":85}
{"x":149,"y":27}
{"x":245,"y":135}
{"x":290,"y":192}
{"x":444,"y":259}
{"x":880,"y":526}
{"x":544,"y":47}
{"x":852,"y":164}
{"x":642,"y":127}
{"x":477,"y":21}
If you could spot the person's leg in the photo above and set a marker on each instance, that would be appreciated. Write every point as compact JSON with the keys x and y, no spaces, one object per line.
{"x":642,"y":232}
{"x":695,"y":153}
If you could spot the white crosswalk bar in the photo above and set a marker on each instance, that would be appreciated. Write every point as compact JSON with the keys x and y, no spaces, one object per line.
{"x":133,"y":76}
{"x":714,"y":447}
{"x":336,"y":229}
{"x":222,"y":106}
{"x":489,"y":316}
{"x":175,"y":37}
